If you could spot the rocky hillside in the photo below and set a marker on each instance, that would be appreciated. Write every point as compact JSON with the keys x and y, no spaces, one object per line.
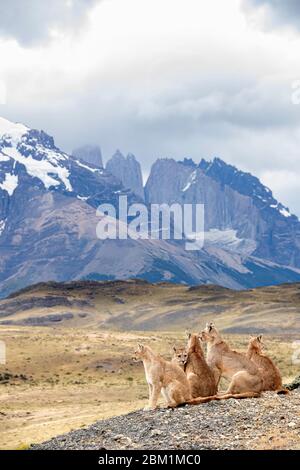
{"x":128,"y":171}
{"x":270,"y":422}
{"x":139,"y":305}
{"x":234,"y":200}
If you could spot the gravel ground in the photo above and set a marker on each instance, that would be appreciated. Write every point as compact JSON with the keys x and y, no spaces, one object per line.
{"x":269,"y":422}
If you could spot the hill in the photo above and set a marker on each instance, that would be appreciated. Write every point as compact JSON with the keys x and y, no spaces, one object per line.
{"x":271,"y":422}
{"x":139,"y":305}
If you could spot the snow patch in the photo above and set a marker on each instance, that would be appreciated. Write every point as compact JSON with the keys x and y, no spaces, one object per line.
{"x":229,"y":240}
{"x":2,"y":226}
{"x":44,"y":170}
{"x":3,"y":158}
{"x":191,"y":180}
{"x":260,"y":197}
{"x":229,"y":249}
{"x":285,"y":212}
{"x":10,"y":183}
{"x":93,"y":170}
{"x":11,"y":130}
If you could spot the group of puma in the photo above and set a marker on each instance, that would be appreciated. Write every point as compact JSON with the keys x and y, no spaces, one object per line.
{"x":190,"y":378}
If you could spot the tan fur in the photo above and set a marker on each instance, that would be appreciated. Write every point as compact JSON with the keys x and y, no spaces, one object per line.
{"x":271,"y":375}
{"x":180,"y":357}
{"x":163,"y":377}
{"x":199,"y":400}
{"x":169,"y":379}
{"x":244,"y":374}
{"x":200,"y":376}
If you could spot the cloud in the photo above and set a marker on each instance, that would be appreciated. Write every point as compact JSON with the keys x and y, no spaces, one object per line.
{"x":265,"y":103}
{"x":31,"y":22}
{"x":285,"y":185}
{"x":156,"y":79}
{"x":277,"y":13}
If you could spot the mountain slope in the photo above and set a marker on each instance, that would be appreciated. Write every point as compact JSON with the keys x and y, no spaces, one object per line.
{"x":48,"y":222}
{"x":233,"y":200}
{"x":51,"y":236}
{"x":29,"y":157}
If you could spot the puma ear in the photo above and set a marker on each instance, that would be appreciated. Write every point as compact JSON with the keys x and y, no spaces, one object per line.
{"x":260,"y":338}
{"x":188,"y":334}
{"x":210,"y":326}
{"x":140,"y":346}
{"x":174,"y":348}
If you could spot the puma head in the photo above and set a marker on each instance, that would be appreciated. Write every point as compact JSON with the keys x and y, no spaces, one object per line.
{"x":180,"y":356}
{"x":210,"y":333}
{"x":256,"y":343}
{"x":140,"y":351}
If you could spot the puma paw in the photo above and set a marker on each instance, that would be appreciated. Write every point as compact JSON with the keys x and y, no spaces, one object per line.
{"x":150,"y":408}
{"x":172,"y":405}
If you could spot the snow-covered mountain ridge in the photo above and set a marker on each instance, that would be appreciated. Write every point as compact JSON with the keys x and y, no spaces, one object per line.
{"x":48,"y":219}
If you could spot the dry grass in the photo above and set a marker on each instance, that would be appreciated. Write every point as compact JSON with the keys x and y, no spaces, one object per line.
{"x":76,"y":377}
{"x":137,"y":305}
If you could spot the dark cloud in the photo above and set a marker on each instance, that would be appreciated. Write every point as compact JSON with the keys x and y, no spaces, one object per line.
{"x":279,"y":12}
{"x":31,"y":21}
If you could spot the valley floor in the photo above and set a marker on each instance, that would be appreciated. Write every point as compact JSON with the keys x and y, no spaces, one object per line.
{"x":58,"y":379}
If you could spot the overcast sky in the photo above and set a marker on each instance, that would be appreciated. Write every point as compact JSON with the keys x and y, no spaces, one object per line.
{"x":161,"y":78}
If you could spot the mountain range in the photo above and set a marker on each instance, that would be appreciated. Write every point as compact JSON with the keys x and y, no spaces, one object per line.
{"x":48,"y":219}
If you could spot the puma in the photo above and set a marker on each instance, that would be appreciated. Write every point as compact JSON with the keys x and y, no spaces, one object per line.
{"x":271,"y":375}
{"x":163,"y":377}
{"x":192,"y":361}
{"x":166,"y":378}
{"x":244,"y":375}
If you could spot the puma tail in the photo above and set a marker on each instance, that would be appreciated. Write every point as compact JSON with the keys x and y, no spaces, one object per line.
{"x":199,"y":400}
{"x":238,"y":396}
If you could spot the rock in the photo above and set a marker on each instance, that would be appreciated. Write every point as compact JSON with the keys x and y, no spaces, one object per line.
{"x":128,"y":171}
{"x":155,"y":432}
{"x":295,"y":384}
{"x":90,"y":154}
{"x":232,"y":199}
{"x":124,"y":441}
